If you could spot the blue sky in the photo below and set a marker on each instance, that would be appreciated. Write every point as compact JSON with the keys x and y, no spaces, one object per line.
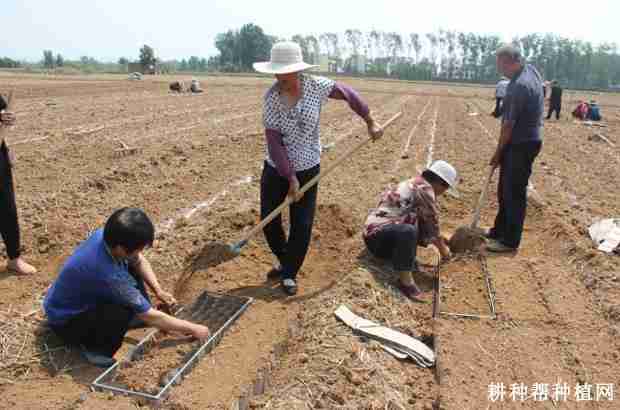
{"x":109,"y":29}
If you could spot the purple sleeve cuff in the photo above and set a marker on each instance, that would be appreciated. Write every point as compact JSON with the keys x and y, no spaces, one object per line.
{"x":277,"y":152}
{"x":344,"y":92}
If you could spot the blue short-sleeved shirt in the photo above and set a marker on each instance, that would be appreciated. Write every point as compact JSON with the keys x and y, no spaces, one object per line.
{"x":90,"y":277}
{"x":524,"y":105}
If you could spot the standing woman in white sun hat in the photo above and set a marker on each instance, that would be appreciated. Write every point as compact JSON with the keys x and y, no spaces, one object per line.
{"x":291,"y":116}
{"x":407,"y":216}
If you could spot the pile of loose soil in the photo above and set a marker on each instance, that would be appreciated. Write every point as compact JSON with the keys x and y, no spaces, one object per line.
{"x":466,"y":239}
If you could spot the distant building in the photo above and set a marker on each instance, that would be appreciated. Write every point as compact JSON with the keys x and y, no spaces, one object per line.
{"x":323,"y":63}
{"x":358,"y":63}
{"x":328,"y":65}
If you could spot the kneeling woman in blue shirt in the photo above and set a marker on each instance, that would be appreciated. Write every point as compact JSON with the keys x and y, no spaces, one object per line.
{"x":100,"y":293}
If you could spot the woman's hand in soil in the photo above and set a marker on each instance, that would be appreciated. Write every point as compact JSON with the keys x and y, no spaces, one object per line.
{"x":201,"y":332}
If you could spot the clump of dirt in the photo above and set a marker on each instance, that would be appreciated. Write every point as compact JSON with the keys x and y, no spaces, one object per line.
{"x":466,"y":239}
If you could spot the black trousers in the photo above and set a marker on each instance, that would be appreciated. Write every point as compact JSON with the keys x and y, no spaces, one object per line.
{"x":557,"y":109}
{"x":273,"y":190}
{"x":9,"y":226}
{"x":100,"y":329}
{"x":499,"y":108}
{"x":515,"y":171}
{"x":398,"y":243}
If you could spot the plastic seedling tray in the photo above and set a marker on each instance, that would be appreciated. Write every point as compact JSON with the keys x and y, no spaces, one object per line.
{"x":216,"y":311}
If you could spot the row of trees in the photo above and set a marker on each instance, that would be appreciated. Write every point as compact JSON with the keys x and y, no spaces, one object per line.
{"x":6,"y":62}
{"x":52,"y":61}
{"x":452,"y":55}
{"x":240,"y":48}
{"x":442,"y":55}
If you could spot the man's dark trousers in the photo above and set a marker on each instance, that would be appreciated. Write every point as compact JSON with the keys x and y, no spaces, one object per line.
{"x":557,"y":108}
{"x":101,"y":329}
{"x":9,"y":228}
{"x":515,"y":171}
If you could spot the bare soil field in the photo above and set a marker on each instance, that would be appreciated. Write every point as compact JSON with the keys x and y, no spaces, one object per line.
{"x":196,"y":171}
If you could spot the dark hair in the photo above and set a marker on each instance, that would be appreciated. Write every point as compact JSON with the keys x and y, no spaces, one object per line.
{"x":510,"y":52}
{"x":433,"y":178}
{"x":130,"y":228}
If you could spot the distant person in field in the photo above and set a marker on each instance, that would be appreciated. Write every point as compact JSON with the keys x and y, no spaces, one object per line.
{"x":291,"y":116}
{"x":500,"y":93}
{"x":555,"y":100}
{"x":195,"y":87}
{"x":176,"y":86}
{"x":519,"y":143}
{"x":594,"y":113}
{"x":582,"y":111}
{"x":406,"y":217}
{"x":100,"y":292}
{"x":9,"y":225}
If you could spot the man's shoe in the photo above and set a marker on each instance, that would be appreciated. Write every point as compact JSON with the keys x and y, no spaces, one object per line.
{"x":97,"y":359}
{"x":498,"y":247}
{"x":289,"y":286}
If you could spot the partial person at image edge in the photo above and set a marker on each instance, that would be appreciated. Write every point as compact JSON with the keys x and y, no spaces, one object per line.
{"x":9,"y":222}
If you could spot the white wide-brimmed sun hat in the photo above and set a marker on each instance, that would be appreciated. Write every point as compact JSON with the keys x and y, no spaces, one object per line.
{"x":286,"y":58}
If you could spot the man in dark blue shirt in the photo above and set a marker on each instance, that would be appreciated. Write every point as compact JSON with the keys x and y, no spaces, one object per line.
{"x":100,"y":290}
{"x":519,"y":143}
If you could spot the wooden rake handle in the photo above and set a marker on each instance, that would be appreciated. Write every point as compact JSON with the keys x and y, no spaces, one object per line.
{"x":482,"y":199}
{"x":310,"y":184}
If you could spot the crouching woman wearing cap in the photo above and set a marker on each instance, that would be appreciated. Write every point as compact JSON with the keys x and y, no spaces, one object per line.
{"x":407,"y":216}
{"x":291,"y":116}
